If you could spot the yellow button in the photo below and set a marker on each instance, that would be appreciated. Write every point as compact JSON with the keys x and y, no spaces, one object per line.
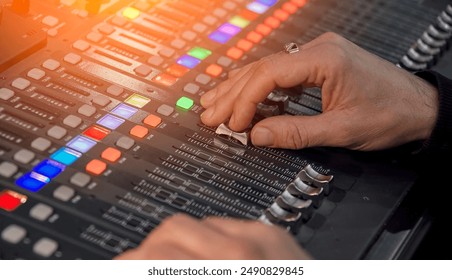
{"x":130,"y":13}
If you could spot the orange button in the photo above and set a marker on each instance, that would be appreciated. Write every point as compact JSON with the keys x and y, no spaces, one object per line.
{"x":263,"y":29}
{"x":152,"y":120}
{"x":281,"y":15}
{"x":254,"y":37}
{"x":290,"y":8}
{"x":234,"y":53}
{"x":214,"y":70}
{"x":111,"y":154}
{"x":244,"y":45}
{"x":177,"y":70}
{"x":247,"y":14}
{"x":139,"y":131}
{"x":272,"y":22}
{"x":165,"y":79}
{"x":299,"y":3}
{"x":96,"y":167}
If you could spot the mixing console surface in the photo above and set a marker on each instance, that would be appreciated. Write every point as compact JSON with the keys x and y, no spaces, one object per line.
{"x":100,"y":138}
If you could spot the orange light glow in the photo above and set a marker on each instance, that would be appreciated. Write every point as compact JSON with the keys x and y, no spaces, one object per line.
{"x":131,"y":13}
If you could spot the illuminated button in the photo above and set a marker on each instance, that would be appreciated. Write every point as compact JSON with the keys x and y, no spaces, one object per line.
{"x":167,"y":52}
{"x":142,"y":5}
{"x":299,"y":3}
{"x":177,"y":70}
{"x":8,"y":169}
{"x":96,"y":167}
{"x":203,"y":79}
{"x":268,"y":2}
{"x":124,"y":111}
{"x":165,"y":79}
{"x":165,"y":110}
{"x":49,"y":168}
{"x":80,"y":179}
{"x":210,"y":20}
{"x":281,"y":15}
{"x":244,"y":45}
{"x":110,"y":121}
{"x":86,"y":110}
{"x":115,"y":90}
{"x":239,"y":21}
{"x":63,"y":193}
{"x":229,"y":5}
{"x":199,"y":27}
{"x":81,"y":45}
{"x":125,"y":142}
{"x":249,"y":15}
{"x":72,"y":58}
{"x":131,"y":13}
{"x":36,"y":74}
{"x":6,"y":94}
{"x":214,"y":70}
{"x":191,"y":88}
{"x":290,"y":8}
{"x":230,"y":29}
{"x":14,"y":234}
{"x":119,"y":21}
{"x":66,"y":156}
{"x":184,"y":103}
{"x":32,"y":181}
{"x":257,"y":7}
{"x":152,"y":120}
{"x":72,"y":121}
{"x":41,"y":212}
{"x":234,"y":53}
{"x":263,"y":29}
{"x":41,"y":144}
{"x":189,"y":35}
{"x":220,"y":37}
{"x":96,"y":132}
{"x":9,"y":200}
{"x":24,"y":156}
{"x":81,"y":144}
{"x":199,"y":53}
{"x":94,"y":37}
{"x":224,"y":61}
{"x":106,"y":29}
{"x":21,"y":83}
{"x":51,"y":64}
{"x":137,"y":100}
{"x":101,"y":100}
{"x":188,"y":61}
{"x":178,"y":43}
{"x":57,"y":132}
{"x":50,"y":21}
{"x":254,"y":37}
{"x":155,"y":60}
{"x":111,"y":154}
{"x":139,"y":131}
{"x":45,"y":247}
{"x":143,"y":70}
{"x":219,"y":12}
{"x":272,"y":22}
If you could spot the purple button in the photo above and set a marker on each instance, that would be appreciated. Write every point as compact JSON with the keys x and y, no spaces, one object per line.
{"x":110,"y":121}
{"x":220,"y":37}
{"x":257,"y":7}
{"x":124,"y":111}
{"x":188,"y":61}
{"x":267,"y":2}
{"x":230,"y":29}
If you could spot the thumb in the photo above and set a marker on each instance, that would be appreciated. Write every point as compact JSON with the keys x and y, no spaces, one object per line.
{"x":296,"y":132}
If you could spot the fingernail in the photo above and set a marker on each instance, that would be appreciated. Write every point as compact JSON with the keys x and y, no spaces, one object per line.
{"x":262,"y":137}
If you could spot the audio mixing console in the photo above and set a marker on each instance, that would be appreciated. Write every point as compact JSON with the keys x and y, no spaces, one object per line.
{"x":100,"y":137}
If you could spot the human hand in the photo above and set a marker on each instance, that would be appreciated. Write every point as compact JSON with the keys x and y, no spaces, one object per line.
{"x":368,"y":103}
{"x":183,"y":237}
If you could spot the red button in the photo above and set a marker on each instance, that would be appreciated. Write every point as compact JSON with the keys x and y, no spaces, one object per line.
{"x":254,"y":37}
{"x":249,"y":15}
{"x":234,"y":53}
{"x":290,"y":8}
{"x":263,"y":29}
{"x":97,"y":133}
{"x":244,"y":45}
{"x":10,"y":200}
{"x":165,"y":79}
{"x":139,"y":131}
{"x":111,"y":154}
{"x":299,"y":3}
{"x":272,"y":22}
{"x":152,"y":120}
{"x":177,"y":70}
{"x":96,"y":167}
{"x":281,"y":15}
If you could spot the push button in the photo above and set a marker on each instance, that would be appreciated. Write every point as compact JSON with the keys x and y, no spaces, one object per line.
{"x":57,"y":132}
{"x":45,"y":247}
{"x":9,"y":200}
{"x":8,"y":169}
{"x":24,"y":156}
{"x":14,"y":234}
{"x":214,"y":70}
{"x":139,"y":131}
{"x":152,"y":120}
{"x":125,"y":142}
{"x":111,"y":154}
{"x":63,"y":193}
{"x":80,"y":179}
{"x":6,"y":94}
{"x":41,"y":144}
{"x":41,"y":212}
{"x":96,"y":167}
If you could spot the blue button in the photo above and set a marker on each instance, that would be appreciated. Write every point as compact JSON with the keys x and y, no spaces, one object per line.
{"x":267,"y":2}
{"x":188,"y":61}
{"x":230,"y":29}
{"x":257,"y":7}
{"x":49,"y":168}
{"x":66,"y":156}
{"x":32,"y":181}
{"x":124,"y":111}
{"x":81,"y":144}
{"x":220,"y":37}
{"x":110,"y":121}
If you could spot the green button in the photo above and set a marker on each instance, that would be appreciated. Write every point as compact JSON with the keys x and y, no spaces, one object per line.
{"x":239,"y":21}
{"x":199,"y":53}
{"x":184,"y":103}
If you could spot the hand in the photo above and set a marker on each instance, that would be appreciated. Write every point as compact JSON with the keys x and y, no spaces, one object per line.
{"x":183,"y":237}
{"x":368,"y":103}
